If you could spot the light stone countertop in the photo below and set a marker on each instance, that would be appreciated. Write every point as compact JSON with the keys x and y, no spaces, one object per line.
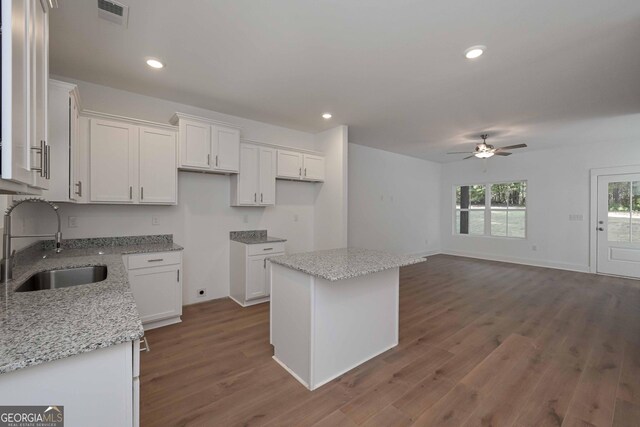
{"x":344,"y":263}
{"x":42,"y":326}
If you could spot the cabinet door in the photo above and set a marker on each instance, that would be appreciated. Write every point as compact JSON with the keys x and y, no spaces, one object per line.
{"x":15,"y":84}
{"x":225,"y":146}
{"x":256,"y":277}
{"x":75,"y":184}
{"x":248,"y":176}
{"x":195,"y":144}
{"x":114,"y":162}
{"x":157,"y":291}
{"x":267,"y":172}
{"x":313,"y":168}
{"x":157,"y":166}
{"x":39,"y":77}
{"x":289,"y":164}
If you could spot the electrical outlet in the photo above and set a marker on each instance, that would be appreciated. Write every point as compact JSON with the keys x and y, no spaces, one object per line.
{"x":201,"y":293}
{"x":72,"y":222}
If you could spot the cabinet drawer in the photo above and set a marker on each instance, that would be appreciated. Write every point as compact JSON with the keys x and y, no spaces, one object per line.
{"x":154,"y":259}
{"x":265,"y":248}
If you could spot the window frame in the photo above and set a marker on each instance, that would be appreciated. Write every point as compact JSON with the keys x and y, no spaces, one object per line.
{"x":487,"y":210}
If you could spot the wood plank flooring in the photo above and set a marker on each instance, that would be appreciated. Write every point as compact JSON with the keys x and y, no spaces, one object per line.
{"x":481,"y":344}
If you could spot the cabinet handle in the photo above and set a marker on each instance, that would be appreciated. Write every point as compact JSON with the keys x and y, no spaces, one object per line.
{"x":300,"y":172}
{"x":40,"y":150}
{"x":141,"y":193}
{"x":264,"y":263}
{"x":305,"y":171}
{"x":208,"y":159}
{"x":79,"y":185}
{"x":255,"y":197}
{"x":267,"y":249}
{"x":47,"y":152}
{"x":155,"y":260}
{"x":130,"y":193}
{"x":261,"y":198}
{"x":216,"y":160}
{"x":178,"y":276}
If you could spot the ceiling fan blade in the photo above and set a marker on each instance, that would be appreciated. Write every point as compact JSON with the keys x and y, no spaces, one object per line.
{"x":460,"y":152}
{"x":513,"y":147}
{"x":502,"y":153}
{"x":469,"y":157}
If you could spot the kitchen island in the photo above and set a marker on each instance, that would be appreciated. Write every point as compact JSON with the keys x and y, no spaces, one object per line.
{"x":333,"y":310}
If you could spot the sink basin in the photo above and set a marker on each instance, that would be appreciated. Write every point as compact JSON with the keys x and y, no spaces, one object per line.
{"x":54,"y":279}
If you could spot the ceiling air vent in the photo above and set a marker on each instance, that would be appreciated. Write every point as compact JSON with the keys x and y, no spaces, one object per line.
{"x":114,"y":12}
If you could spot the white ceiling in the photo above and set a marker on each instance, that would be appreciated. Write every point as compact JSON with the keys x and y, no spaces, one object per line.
{"x":555,"y":72}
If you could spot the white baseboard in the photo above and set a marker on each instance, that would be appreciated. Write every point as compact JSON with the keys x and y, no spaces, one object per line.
{"x":426,"y":254}
{"x":523,"y":261}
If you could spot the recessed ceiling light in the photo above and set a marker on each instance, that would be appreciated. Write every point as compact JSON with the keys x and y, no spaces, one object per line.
{"x":154,"y":63}
{"x":474,"y":52}
{"x":327,"y":116}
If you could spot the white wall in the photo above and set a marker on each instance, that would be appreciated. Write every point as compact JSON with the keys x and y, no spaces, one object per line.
{"x":394,"y":202}
{"x":203,"y":218}
{"x":558,"y":185}
{"x":332,"y":196}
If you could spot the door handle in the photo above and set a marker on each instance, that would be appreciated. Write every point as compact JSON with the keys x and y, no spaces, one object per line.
{"x":600,"y":229}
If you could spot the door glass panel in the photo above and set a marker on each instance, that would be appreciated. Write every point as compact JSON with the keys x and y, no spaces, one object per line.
{"x":619,"y":214}
{"x":635,"y":212}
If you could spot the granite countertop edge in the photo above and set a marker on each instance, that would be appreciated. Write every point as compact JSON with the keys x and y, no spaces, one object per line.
{"x":387,"y":261}
{"x":44,"y":326}
{"x":257,"y":241}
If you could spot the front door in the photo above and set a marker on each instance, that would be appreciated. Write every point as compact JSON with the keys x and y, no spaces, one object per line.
{"x":618,"y":225}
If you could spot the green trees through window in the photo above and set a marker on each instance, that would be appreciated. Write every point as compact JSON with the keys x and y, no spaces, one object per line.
{"x":491,"y":209}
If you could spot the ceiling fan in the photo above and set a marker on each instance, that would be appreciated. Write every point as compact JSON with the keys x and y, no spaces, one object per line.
{"x":484,"y":150}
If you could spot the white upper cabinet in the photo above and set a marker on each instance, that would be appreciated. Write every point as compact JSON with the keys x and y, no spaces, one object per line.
{"x":63,"y":119}
{"x":295,"y":165}
{"x":132,"y":164}
{"x":195,"y":144}
{"x":25,"y":42}
{"x":206,"y":145}
{"x":289,"y":164}
{"x":225,"y":144}
{"x":114,"y":159}
{"x":255,"y":185}
{"x":157,"y":166}
{"x":312,"y":167}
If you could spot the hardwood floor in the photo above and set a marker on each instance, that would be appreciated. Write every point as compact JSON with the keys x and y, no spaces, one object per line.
{"x":481,"y":344}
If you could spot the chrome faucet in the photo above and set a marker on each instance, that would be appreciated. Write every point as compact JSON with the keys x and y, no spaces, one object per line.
{"x":6,"y":264}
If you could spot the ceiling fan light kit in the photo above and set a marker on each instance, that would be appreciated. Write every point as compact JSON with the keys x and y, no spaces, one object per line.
{"x":485,"y":151}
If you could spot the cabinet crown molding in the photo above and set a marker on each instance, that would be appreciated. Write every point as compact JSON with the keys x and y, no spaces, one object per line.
{"x":281,"y":147}
{"x":177,"y":116}
{"x":138,"y":122}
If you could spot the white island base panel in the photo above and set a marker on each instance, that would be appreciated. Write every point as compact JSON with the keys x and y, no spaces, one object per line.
{"x":322,"y":329}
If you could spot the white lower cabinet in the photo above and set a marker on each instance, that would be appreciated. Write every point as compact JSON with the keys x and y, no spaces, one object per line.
{"x":156,"y":283}
{"x":85,"y":384}
{"x":249,"y":271}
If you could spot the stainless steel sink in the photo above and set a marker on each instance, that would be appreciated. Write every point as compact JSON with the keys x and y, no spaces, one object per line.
{"x":54,"y":279}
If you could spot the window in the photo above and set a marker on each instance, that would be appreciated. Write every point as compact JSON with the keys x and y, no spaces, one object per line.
{"x":492,"y":209}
